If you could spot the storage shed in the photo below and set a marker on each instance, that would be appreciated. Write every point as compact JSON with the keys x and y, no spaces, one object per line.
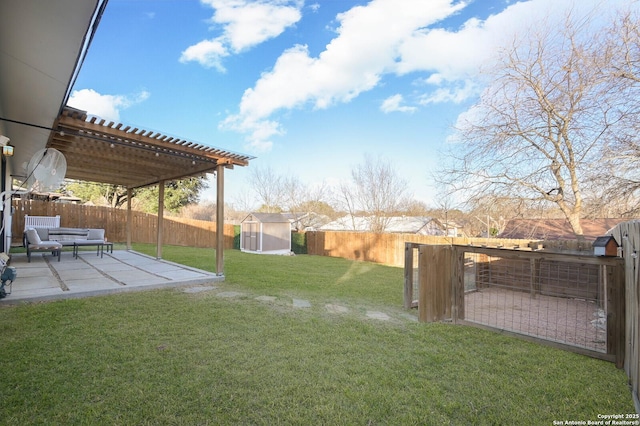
{"x":267,"y":233}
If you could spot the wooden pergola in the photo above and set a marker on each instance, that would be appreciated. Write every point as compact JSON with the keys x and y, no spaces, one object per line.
{"x":97,"y":151}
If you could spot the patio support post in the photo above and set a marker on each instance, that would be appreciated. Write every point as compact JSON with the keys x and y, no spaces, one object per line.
{"x":160,"y":219}
{"x":220,"y":220}
{"x":129,"y":218}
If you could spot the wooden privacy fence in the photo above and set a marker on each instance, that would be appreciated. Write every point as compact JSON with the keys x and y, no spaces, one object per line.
{"x":627,"y":234}
{"x":385,"y":248}
{"x":180,"y":232}
{"x":575,"y":302}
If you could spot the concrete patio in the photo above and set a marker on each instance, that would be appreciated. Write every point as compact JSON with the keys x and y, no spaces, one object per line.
{"x":44,"y":278}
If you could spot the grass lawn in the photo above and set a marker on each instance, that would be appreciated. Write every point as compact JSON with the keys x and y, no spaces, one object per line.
{"x":297,"y":276}
{"x":170,"y":357}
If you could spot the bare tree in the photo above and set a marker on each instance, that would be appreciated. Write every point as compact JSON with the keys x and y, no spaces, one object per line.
{"x":286,"y":193}
{"x":293,"y":191}
{"x":415,"y":208}
{"x":270,"y":188}
{"x":312,"y":208}
{"x":200,"y":211}
{"x":314,"y":199}
{"x":621,"y":173}
{"x":242,"y":201}
{"x":346,"y":199}
{"x":543,"y":122}
{"x":233,"y":214}
{"x":624,"y":42}
{"x":376,"y":191}
{"x":446,"y":204}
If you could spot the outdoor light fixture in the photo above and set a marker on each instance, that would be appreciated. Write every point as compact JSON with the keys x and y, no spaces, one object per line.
{"x":7,"y":150}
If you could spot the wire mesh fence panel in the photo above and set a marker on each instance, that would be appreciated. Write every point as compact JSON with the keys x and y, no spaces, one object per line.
{"x":552,"y":300}
{"x":470,"y":260}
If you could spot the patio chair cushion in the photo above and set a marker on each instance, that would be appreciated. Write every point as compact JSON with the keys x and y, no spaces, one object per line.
{"x":67,"y":235}
{"x":34,"y":243}
{"x":33,"y":237}
{"x":43,"y":233}
{"x":96,"y":235}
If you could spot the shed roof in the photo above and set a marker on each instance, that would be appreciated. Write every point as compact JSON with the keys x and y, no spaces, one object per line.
{"x":267,"y":218}
{"x":559,"y":229}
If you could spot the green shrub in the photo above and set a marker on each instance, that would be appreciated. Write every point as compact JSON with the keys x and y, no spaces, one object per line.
{"x":236,"y":236}
{"x":299,"y":242}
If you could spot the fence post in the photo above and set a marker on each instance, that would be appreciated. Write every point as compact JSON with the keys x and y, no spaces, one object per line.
{"x":408,"y":275}
{"x":457,"y":284}
{"x":615,"y":315}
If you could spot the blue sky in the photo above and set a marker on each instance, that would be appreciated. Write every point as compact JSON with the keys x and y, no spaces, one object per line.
{"x":308,"y":87}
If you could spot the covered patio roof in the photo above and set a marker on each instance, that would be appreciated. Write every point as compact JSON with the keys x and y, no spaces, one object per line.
{"x":112,"y":153}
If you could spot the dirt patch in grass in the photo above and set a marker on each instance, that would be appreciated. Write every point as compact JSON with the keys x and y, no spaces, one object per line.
{"x":575,"y":322}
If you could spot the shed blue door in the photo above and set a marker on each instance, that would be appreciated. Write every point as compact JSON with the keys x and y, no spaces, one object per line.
{"x":251,"y":237}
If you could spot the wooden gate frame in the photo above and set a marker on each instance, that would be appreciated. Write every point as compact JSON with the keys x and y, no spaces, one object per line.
{"x":441,"y":290}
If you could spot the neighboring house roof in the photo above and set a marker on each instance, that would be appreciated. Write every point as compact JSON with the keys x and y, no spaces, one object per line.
{"x":346,"y":223}
{"x":266,"y":218}
{"x":306,"y":221}
{"x":396,"y":224}
{"x":556,"y":229}
{"x":454,"y":229}
{"x":414,"y":225}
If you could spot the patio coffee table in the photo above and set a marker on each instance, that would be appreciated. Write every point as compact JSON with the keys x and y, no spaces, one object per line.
{"x":99,"y":247}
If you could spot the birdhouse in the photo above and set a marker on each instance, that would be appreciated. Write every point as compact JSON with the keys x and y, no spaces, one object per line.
{"x":605,"y":246}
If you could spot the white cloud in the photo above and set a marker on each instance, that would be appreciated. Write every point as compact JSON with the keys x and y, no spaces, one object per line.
{"x":259,"y":132}
{"x":455,"y":92}
{"x":245,"y":24}
{"x":455,"y":58}
{"x":208,"y":53}
{"x":104,"y":106}
{"x":390,"y":37}
{"x":250,"y":23}
{"x":393,"y":103}
{"x":365,"y":48}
